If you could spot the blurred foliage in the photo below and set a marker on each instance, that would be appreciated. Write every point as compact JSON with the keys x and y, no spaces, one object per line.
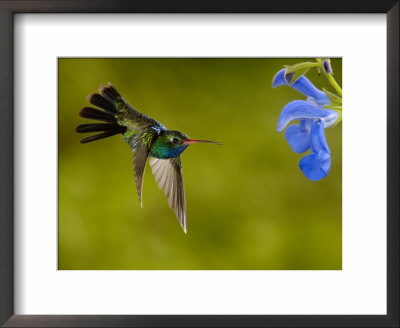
{"x":248,"y":204}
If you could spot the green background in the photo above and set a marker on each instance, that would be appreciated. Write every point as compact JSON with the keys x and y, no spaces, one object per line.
{"x":248,"y":204}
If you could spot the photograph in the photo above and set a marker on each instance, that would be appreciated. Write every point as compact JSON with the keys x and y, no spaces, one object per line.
{"x":189,"y":164}
{"x":199,"y":163}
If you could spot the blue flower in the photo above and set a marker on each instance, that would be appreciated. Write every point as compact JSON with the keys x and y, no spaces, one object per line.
{"x":317,"y":165}
{"x":309,"y":133}
{"x":303,"y":85}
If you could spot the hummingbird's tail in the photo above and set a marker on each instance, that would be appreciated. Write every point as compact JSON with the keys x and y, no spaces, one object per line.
{"x":107,"y":101}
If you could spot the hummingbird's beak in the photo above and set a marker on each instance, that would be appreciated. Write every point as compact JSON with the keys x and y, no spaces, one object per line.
{"x":190,"y":141}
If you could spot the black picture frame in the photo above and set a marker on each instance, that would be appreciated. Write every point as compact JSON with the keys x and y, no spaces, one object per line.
{"x":10,"y":7}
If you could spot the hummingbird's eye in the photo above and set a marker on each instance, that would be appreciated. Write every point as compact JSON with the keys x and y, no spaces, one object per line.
{"x":175,"y":140}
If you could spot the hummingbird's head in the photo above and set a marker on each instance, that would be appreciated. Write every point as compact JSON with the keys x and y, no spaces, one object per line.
{"x":172,"y":143}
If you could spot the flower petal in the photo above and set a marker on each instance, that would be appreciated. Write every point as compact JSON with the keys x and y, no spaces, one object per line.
{"x":303,"y":85}
{"x":310,"y":167}
{"x":317,"y":138}
{"x":279,"y":78}
{"x":317,"y":165}
{"x":312,"y":101}
{"x":301,"y":109}
{"x":298,"y":136}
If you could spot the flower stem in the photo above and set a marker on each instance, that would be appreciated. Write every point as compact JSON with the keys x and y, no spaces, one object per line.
{"x":334,"y":84}
{"x":331,"y":79}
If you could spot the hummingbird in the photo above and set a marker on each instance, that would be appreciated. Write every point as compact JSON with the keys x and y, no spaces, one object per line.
{"x":146,"y":137}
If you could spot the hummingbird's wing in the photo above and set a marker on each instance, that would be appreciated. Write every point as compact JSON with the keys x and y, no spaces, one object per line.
{"x":168,"y":174}
{"x":140,"y":144}
{"x":139,"y":164}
